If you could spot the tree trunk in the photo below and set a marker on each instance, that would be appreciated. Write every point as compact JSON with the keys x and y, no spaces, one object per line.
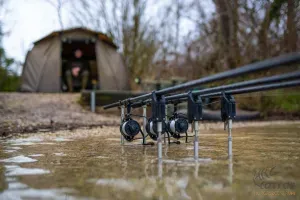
{"x":291,"y":27}
{"x":263,"y":35}
{"x":228,"y":22}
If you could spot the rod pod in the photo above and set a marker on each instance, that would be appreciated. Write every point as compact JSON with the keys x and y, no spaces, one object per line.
{"x":122,"y":119}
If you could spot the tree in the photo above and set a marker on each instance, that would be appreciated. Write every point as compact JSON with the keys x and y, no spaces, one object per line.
{"x":126,"y":23}
{"x":227,"y":11}
{"x":9,"y":80}
{"x":58,"y":5}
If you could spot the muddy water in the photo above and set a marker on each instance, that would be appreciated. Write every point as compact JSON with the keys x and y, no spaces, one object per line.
{"x":91,"y":164}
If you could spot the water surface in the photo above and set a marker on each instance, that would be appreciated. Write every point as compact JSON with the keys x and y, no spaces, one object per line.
{"x":79,"y":165}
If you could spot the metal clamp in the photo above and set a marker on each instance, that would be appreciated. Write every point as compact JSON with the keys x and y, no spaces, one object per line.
{"x":228,"y":107}
{"x":194,"y":108}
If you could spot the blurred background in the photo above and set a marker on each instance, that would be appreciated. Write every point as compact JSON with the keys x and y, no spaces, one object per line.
{"x":161,"y":42}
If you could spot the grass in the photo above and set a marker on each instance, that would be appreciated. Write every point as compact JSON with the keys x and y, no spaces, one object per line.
{"x":279,"y":101}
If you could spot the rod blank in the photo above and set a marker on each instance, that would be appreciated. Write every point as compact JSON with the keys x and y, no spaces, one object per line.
{"x":260,"y":81}
{"x":255,"y":67}
{"x":224,"y":88}
{"x":257,"y":88}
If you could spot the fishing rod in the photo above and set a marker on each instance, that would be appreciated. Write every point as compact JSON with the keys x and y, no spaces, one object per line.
{"x":251,"y":68}
{"x":260,"y":81}
{"x":260,"y":88}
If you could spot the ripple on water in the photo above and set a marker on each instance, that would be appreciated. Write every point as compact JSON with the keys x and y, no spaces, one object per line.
{"x":11,"y":179}
{"x":16,"y":185}
{"x":24,"y":141}
{"x":116,"y":183}
{"x":36,"y":155}
{"x":18,"y":159}
{"x":61,"y":139}
{"x":60,"y":194}
{"x":200,"y":148}
{"x":9,"y":151}
{"x":187,"y":161}
{"x":102,"y":157}
{"x":112,"y":139}
{"x":14,"y":170}
{"x":60,"y":154}
{"x":15,"y":148}
{"x":27,"y":141}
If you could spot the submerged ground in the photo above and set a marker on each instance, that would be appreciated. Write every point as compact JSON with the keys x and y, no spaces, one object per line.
{"x":91,"y":164}
{"x":71,"y":153}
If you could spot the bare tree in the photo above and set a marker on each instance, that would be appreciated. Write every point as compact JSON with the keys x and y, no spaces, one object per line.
{"x":233,"y":33}
{"x":291,"y":28}
{"x":125,"y":21}
{"x":58,"y":5}
{"x":228,"y":22}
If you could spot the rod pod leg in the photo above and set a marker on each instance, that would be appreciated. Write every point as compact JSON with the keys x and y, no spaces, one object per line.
{"x":168,"y":136}
{"x":122,"y":118}
{"x":93,"y":101}
{"x":159,"y":142}
{"x":144,"y":122}
{"x":186,"y":137}
{"x":196,"y":140}
{"x":166,"y":111}
{"x":229,"y":127}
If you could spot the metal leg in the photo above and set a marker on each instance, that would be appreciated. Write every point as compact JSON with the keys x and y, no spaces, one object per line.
{"x":196,"y":171}
{"x":93,"y":101}
{"x":143,"y":137}
{"x":160,"y":169}
{"x":168,"y":135}
{"x":186,"y":137}
{"x":230,"y":170}
{"x":196,"y":140}
{"x":144,"y":120}
{"x":166,"y":110}
{"x":159,"y":143}
{"x":122,"y":118}
{"x":166,"y":150}
{"x":229,"y":124}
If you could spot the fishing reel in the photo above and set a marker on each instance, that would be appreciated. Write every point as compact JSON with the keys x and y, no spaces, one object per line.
{"x":129,"y":128}
{"x":151,"y":128}
{"x":177,"y":125}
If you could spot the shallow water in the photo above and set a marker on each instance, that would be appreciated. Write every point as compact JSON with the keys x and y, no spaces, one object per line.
{"x":74,"y":165}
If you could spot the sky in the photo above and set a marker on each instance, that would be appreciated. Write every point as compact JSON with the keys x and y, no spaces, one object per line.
{"x":26,"y":21}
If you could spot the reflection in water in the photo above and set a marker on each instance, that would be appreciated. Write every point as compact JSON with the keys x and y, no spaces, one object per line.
{"x":14,"y":170}
{"x":160,"y":169}
{"x":18,"y":159}
{"x":116,"y":183}
{"x":100,"y":168}
{"x":36,"y":155}
{"x":28,"y":193}
{"x":230,"y":169}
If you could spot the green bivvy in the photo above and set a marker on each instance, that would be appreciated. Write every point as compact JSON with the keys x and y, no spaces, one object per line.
{"x":42,"y":71}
